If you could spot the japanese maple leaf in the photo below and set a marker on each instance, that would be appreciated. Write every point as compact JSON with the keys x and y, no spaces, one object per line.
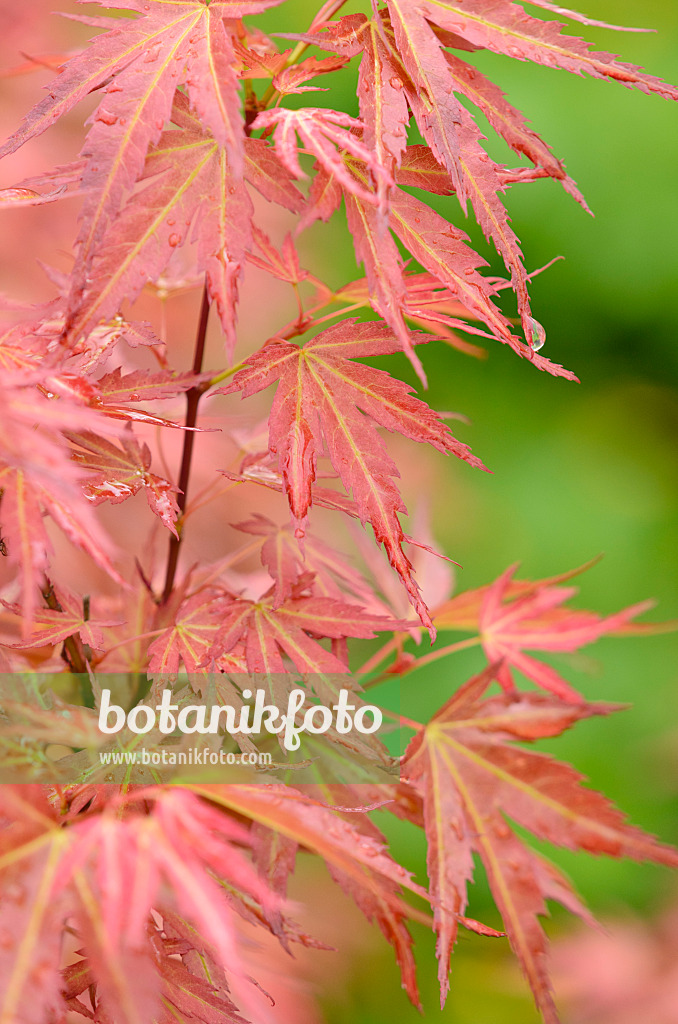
{"x":452,"y":136}
{"x":140,"y":63}
{"x":117,"y":396}
{"x":284,"y":264}
{"x":188,"y":996}
{"x":462,"y":610}
{"x":378,"y":252}
{"x":26,"y":540}
{"x":432,"y":76}
{"x":269,"y":176}
{"x":279,"y":554}
{"x":293,"y":629}
{"x":262,"y":474}
{"x":53,"y":626}
{"x":439,"y":246}
{"x":576,"y":16}
{"x":193,"y":193}
{"x":373,"y":244}
{"x":290,"y":80}
{"x":116,"y":388}
{"x":383,"y":104}
{"x":385,"y":85}
{"x":455,"y":140}
{"x":427,"y":304}
{"x":508,"y":122}
{"x":506,"y":28}
{"x":15,"y":197}
{"x":191,"y":635}
{"x":323,"y":394}
{"x":472,"y":778}
{"x":430,"y":82}
{"x":185,"y":995}
{"x":188,"y":192}
{"x":119,"y":473}
{"x":286,"y":562}
{"x":536,"y":620}
{"x":37,"y":476}
{"x":321,"y":132}
{"x":87,"y":872}
{"x":34,"y":343}
{"x":358,"y":861}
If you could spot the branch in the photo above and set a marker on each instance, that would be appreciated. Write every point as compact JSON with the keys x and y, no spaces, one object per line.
{"x":192,"y":401}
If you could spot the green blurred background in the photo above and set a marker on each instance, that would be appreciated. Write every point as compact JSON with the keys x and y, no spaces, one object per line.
{"x":578,"y":469}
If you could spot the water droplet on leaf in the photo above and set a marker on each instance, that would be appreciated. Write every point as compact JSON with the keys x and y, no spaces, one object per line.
{"x":501,"y":830}
{"x":537,"y":334}
{"x":106,"y":117}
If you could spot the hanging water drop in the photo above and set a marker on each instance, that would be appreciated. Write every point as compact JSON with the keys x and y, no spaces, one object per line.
{"x":536,"y":335}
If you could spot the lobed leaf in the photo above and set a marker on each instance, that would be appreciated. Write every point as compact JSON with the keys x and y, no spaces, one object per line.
{"x":323,"y":395}
{"x":472,"y":779}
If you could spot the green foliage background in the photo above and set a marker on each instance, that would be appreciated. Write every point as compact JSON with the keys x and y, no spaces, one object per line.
{"x":578,"y":469}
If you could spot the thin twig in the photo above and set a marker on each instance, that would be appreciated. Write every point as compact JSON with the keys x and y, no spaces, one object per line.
{"x":192,"y":401}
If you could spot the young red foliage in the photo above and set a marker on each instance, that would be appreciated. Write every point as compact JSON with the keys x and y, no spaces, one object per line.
{"x":470,"y":780}
{"x":323,"y":394}
{"x":182,"y":153}
{"x":511,"y":616}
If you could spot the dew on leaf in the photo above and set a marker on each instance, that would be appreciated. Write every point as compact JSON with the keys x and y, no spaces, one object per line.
{"x":501,"y":830}
{"x":8,"y":195}
{"x":537,"y":334}
{"x":106,"y":117}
